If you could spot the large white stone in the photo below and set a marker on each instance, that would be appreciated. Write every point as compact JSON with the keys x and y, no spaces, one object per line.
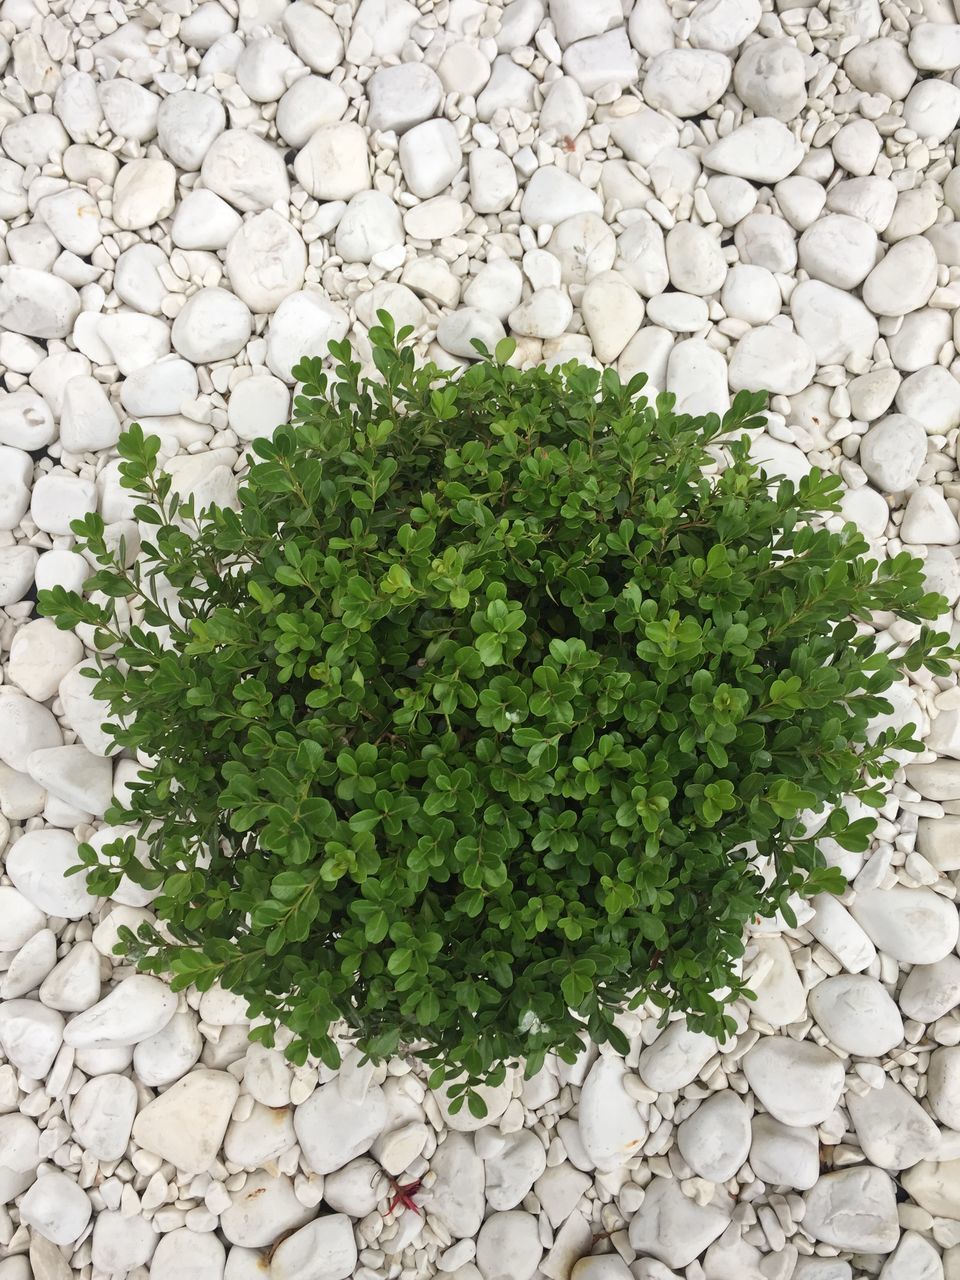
{"x":324,"y":1249}
{"x":673,"y":1228}
{"x":188,"y":123}
{"x":931,"y":990}
{"x":102,"y":1113}
{"x":136,"y":1007}
{"x":893,"y":451}
{"x":332,"y":1130}
{"x":856,"y":1014}
{"x":262,"y":1210}
{"x":36,"y":864}
{"x":612,"y":1129}
{"x":212,"y":325}
{"x":247,"y":171}
{"x":187,"y":1122}
{"x":30,"y":1036}
{"x":686,"y":82}
{"x":763,"y":150}
{"x":456,"y":1198}
{"x":183,"y":1254}
{"x":552,"y":195}
{"x":943,"y":1085}
{"x":853,"y":1209}
{"x":798,"y":1082}
{"x":145,"y":192}
{"x":675,"y":1058}
{"x":784,"y":1155}
{"x":266,"y":260}
{"x":304,"y":324}
{"x":893,"y":1129}
{"x":36,"y":303}
{"x":915,"y":926}
{"x":715,"y":1140}
{"x":508,"y":1244}
{"x":19,"y":919}
{"x":904,"y":279}
{"x":334,"y":164}
{"x":57,"y":1207}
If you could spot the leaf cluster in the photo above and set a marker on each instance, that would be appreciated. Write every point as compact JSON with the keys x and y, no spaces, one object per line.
{"x":498,"y":704}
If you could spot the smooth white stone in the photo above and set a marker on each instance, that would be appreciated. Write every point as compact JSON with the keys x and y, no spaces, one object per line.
{"x":40,"y":656}
{"x":73,"y":985}
{"x":642,"y":259}
{"x":853,"y":1209}
{"x":30,"y":1036}
{"x":36,"y":303}
{"x":932,"y":396}
{"x":545,"y":314}
{"x":304,"y":324}
{"x":892,"y":452}
{"x":780,"y":997}
{"x":715,"y":1140}
{"x":183,"y":1254}
{"x":493,"y":180}
{"x":835,"y":325}
{"x":263,"y":1136}
{"x":673,"y":1228}
{"x":931,"y":109}
{"x":784,"y":1155}
{"x":313,"y":36}
{"x":552,"y":195}
{"x":332,"y":1130}
{"x":839,"y":250}
{"x":695,"y":260}
{"x":697,"y":376}
{"x":402,"y":96}
{"x":36,"y":864}
{"x":247,"y":171}
{"x":904,"y":279}
{"x":430,"y":156}
{"x":770,"y":77}
{"x":188,"y":123}
{"x":798,"y":1082}
{"x":893,"y":1129}
{"x":612,"y":312}
{"x":83,"y":713}
{"x":508,"y":1244}
{"x":102,"y":1113}
{"x":611,"y":1128}
{"x":686,"y":82}
{"x":457,"y":331}
{"x":644,"y":134}
{"x":602,"y":61}
{"x":914,"y":926}
{"x":763,"y":150}
{"x":160,"y":388}
{"x":169,"y":1053}
{"x":136,"y":1007}
{"x":512,"y":1172}
{"x":928,"y":519}
{"x":266,"y":260}
{"x":265,"y":68}
{"x":371,"y":224}
{"x":773,"y":358}
{"x":56,"y":1207}
{"x":856,"y":1014}
{"x":144,"y":192}
{"x":675,"y":1058}
{"x":212,"y":325}
{"x":120,"y":1243}
{"x":20,"y":920}
{"x":262,"y":1210}
{"x":309,"y":103}
{"x":186,"y":1123}
{"x":836,"y":929}
{"x":931,"y":990}
{"x":498,"y":287}
{"x":354,"y":1189}
{"x":334,"y":164}
{"x":324,"y":1249}
{"x":456,"y":1198}
{"x":943,"y":1085}
{"x":26,"y":420}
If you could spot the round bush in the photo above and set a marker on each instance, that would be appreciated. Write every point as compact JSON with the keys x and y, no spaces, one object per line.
{"x":504,"y":699}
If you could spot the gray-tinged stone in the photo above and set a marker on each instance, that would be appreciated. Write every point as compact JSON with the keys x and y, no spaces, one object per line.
{"x":784,"y":1155}
{"x":332,"y":1129}
{"x":853,"y":1209}
{"x":893,"y":1129}
{"x":715,"y":1140}
{"x":798,"y":1082}
{"x":672,"y":1228}
{"x":456,"y":1197}
{"x":914,"y":926}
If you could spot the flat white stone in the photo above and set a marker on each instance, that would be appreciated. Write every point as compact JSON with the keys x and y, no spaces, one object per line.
{"x":186,"y":1123}
{"x":493,"y":180}
{"x":853,"y":1209}
{"x":161,"y":388}
{"x":601,"y":62}
{"x":354,"y":1189}
{"x":697,"y":376}
{"x":904,"y":279}
{"x":552,"y":195}
{"x":26,"y":420}
{"x":120,"y":1243}
{"x":36,"y":303}
{"x":773,"y":358}
{"x":612,"y":312}
{"x":769,"y":77}
{"x":839,"y":250}
{"x":780,"y":997}
{"x":265,"y":68}
{"x":102,"y":1113}
{"x":928,"y":519}
{"x":893,"y":451}
{"x":266,"y":260}
{"x":74,"y":775}
{"x":784,"y":1155}
{"x":247,"y":171}
{"x":19,"y":919}
{"x":673,"y":1228}
{"x":145,"y":192}
{"x":641,"y":257}
{"x":263,"y":1136}
{"x":498,"y":287}
{"x":836,"y":929}
{"x":402,"y":96}
{"x":334,"y":164}
{"x":371,"y":224}
{"x":856,"y":1014}
{"x":695,"y":259}
{"x":612,"y":1129}
{"x":56,"y":1207}
{"x":30,"y":1036}
{"x":457,"y":331}
{"x":686,"y":82}
{"x":169,"y":1053}
{"x":509,"y":1244}
{"x":931,"y":990}
{"x":136,"y":1007}
{"x":512,"y":1172}
{"x":456,"y":1198}
{"x":943,"y":1085}
{"x":36,"y":864}
{"x":675,"y":1058}
{"x":644,"y":134}
{"x":935,"y":1186}
{"x":304,"y":324}
{"x":914,"y":926}
{"x":430,"y":156}
{"x":309,"y":103}
{"x":83,"y":712}
{"x":313,"y":35}
{"x":763,"y":150}
{"x":183,"y":1254}
{"x":799,"y":1083}
{"x":931,"y":109}
{"x":262,"y":1210}
{"x":893,"y":1129}
{"x":834,"y":324}
{"x":332,"y":1130}
{"x":715,"y":1140}
{"x":73,"y":985}
{"x":212,"y":325}
{"x":324,"y":1249}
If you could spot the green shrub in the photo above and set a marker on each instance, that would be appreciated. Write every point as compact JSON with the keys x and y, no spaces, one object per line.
{"x":488,"y":711}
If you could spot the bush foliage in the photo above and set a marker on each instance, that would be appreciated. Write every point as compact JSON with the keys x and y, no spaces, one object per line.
{"x":488,"y":711}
